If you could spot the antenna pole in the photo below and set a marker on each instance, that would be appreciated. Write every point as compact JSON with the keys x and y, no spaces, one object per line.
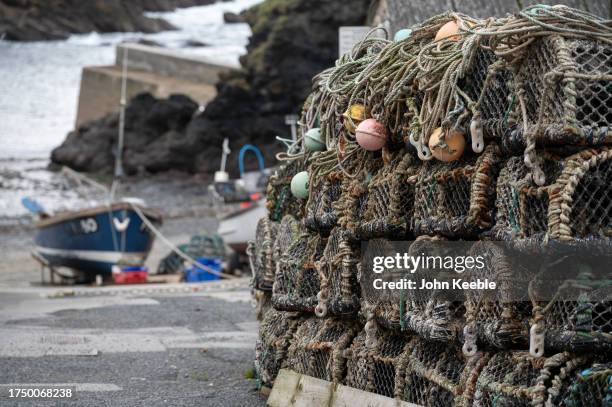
{"x":120,"y":141}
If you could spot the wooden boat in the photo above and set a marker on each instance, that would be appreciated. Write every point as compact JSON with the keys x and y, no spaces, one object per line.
{"x":92,"y":240}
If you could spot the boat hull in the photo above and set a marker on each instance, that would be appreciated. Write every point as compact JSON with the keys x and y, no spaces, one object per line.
{"x":93,"y":240}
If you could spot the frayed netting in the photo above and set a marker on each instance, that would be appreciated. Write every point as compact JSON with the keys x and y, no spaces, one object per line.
{"x":261,"y":256}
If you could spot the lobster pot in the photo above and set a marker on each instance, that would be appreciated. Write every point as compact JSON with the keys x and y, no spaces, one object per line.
{"x":353,"y":201}
{"x":297,"y":279}
{"x":456,"y":199}
{"x":338,"y":269}
{"x":574,"y":206}
{"x":279,"y":200}
{"x":317,"y":348}
{"x":321,"y":216}
{"x":489,"y":83}
{"x":567,"y":91}
{"x":260,"y":252}
{"x":437,"y":374}
{"x":518,"y":379}
{"x":372,"y":360}
{"x":498,"y":318}
{"x":275,"y":333}
{"x":590,"y":387}
{"x":390,"y":199}
{"x":432,"y":314}
{"x":262,"y":301}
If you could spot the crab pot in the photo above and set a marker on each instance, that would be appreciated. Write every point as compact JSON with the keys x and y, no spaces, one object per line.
{"x":590,"y":387}
{"x":574,"y":207}
{"x":263,"y":302}
{"x":499,"y":319}
{"x":321,"y":216}
{"x":455,"y":199}
{"x":372,"y":360}
{"x":338,"y":269}
{"x":437,"y":374}
{"x":567,"y":91}
{"x":276,"y":330}
{"x":297,"y":279}
{"x":260,"y":252}
{"x":280,"y":201}
{"x":489,"y":83}
{"x":518,"y":379}
{"x":390,"y":199}
{"x":353,"y":201}
{"x":317,"y":348}
{"x":432,"y":314}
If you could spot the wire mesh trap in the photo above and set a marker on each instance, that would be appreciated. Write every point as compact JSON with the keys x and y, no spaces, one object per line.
{"x":590,"y":387}
{"x":518,"y":379}
{"x":318,"y":345}
{"x":275,"y":333}
{"x":432,"y":314}
{"x":321,"y":215}
{"x":437,"y":374}
{"x":500,"y":318}
{"x":297,"y":280}
{"x":566,"y":82}
{"x":390,"y":199}
{"x":575,"y":205}
{"x":372,"y":360}
{"x":260,"y":252}
{"x":279,"y":200}
{"x":456,"y":199}
{"x":338,"y":269}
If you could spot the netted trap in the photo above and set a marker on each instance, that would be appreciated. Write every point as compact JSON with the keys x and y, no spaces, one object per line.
{"x":575,"y":205}
{"x":275,"y":333}
{"x":260,"y":252}
{"x":390,"y":199}
{"x":590,"y":387}
{"x":499,"y":318}
{"x":279,"y":200}
{"x":434,"y":314}
{"x":297,"y":281}
{"x":437,"y":374}
{"x":318,"y":345}
{"x":456,"y":199}
{"x":566,"y":82}
{"x":372,"y":360}
{"x":518,"y":379}
{"x":338,"y":269}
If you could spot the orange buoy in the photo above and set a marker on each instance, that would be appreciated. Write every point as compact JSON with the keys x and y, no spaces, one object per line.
{"x":449,"y":31}
{"x":371,"y":135}
{"x":452,"y":148}
{"x":354,"y":115}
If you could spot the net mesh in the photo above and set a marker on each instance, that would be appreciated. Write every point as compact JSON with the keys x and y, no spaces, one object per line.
{"x":279,"y":200}
{"x":321,"y":215}
{"x":456,"y":199}
{"x":518,"y":379}
{"x":275,"y":332}
{"x":260,"y":252}
{"x":297,"y":279}
{"x":372,"y":360}
{"x":591,"y":387}
{"x":338,"y":266}
{"x":390,"y":199}
{"x":437,"y":374}
{"x":318,"y":345}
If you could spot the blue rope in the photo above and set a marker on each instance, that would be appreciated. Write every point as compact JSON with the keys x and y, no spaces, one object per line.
{"x":243,"y":150}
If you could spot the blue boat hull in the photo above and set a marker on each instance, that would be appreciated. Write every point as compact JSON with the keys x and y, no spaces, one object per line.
{"x":92,"y":241}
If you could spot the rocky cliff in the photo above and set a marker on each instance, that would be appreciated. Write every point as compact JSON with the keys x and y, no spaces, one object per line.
{"x":36,"y":20}
{"x":292,"y":41}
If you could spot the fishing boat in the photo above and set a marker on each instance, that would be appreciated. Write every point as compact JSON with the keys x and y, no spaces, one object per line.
{"x":93,"y":240}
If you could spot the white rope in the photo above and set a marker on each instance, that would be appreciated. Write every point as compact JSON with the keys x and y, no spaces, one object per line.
{"x":175,"y":249}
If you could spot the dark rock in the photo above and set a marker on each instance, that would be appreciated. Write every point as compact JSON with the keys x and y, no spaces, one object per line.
{"x":232,"y":18}
{"x":36,"y":20}
{"x":195,"y":43}
{"x":292,"y":41}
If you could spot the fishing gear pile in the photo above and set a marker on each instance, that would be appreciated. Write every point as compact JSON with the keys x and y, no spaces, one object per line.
{"x":458,"y":129}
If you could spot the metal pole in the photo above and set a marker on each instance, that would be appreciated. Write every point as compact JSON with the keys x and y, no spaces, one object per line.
{"x":120,"y":141}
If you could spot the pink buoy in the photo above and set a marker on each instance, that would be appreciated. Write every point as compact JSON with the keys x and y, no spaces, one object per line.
{"x":371,"y":135}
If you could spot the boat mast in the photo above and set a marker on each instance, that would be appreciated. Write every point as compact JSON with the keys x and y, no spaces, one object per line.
{"x":120,"y":141}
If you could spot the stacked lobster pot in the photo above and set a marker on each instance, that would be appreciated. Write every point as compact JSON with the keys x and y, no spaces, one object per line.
{"x":492,"y":135}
